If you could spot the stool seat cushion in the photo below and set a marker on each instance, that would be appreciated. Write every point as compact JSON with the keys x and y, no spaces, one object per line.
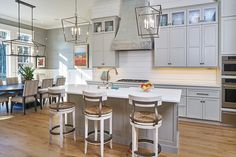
{"x":94,"y":110}
{"x":145,"y":117}
{"x":61,"y":106}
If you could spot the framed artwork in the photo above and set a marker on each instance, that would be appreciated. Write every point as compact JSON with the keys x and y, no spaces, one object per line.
{"x":40,"y":62}
{"x":81,"y":56}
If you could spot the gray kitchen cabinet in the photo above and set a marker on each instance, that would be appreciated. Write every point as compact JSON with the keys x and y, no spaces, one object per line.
{"x":202,"y":45}
{"x":194,"y":107}
{"x":228,"y":36}
{"x":228,"y":8}
{"x":182,"y":108}
{"x":104,"y":30}
{"x":211,"y":109}
{"x":170,"y":47}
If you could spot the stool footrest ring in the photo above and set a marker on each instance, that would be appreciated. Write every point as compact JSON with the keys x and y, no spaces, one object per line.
{"x":72,"y":129}
{"x":145,"y":154}
{"x":106,"y":140}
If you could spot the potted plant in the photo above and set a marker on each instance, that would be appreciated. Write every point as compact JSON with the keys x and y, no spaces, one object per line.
{"x":27,"y":72}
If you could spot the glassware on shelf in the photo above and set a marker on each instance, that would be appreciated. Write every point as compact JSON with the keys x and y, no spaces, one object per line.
{"x":97,"y":27}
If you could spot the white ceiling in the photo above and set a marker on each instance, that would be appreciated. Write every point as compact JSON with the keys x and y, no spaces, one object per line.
{"x":47,"y":13}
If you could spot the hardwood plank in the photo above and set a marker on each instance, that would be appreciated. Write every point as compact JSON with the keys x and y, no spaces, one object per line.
{"x":27,"y":136}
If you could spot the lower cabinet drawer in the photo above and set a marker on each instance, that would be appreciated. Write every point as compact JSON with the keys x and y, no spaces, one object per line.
{"x":203,"y":93}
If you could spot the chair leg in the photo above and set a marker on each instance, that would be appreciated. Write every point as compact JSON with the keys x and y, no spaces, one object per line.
{"x":24,"y":107}
{"x":96,"y":130}
{"x":61,"y":130}
{"x":102,"y":137}
{"x":86,"y":136}
{"x":156,"y":142}
{"x":134,"y":140}
{"x":7,"y":107}
{"x":41,"y":101}
{"x":12,"y":105}
{"x":35,"y":105}
{"x":50,"y":127}
{"x":50,"y":100}
{"x":110,"y":131}
{"x":73,"y":114}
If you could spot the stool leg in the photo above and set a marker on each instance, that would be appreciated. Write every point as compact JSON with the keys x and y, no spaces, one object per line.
{"x":50,"y":127}
{"x":156,"y":142}
{"x":61,"y":130}
{"x":102,"y":137}
{"x":110,"y":131}
{"x":73,"y":115}
{"x":86,"y":136}
{"x":134,"y":140}
{"x":96,"y":130}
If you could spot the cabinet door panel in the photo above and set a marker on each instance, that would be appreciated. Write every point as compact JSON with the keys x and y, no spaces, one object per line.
{"x":107,"y":38}
{"x":109,"y":58}
{"x":228,"y":8}
{"x":97,"y":43}
{"x":161,"y":57}
{"x":178,"y":46}
{"x":210,"y":45}
{"x":97,"y":59}
{"x":193,"y":45}
{"x":228,"y":36}
{"x":211,"y":109}
{"x":194,"y":108}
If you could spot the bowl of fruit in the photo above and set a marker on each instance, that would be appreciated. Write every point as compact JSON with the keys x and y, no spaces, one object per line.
{"x":146,"y":87}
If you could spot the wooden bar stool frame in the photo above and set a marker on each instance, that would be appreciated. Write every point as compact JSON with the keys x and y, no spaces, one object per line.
{"x":99,"y":98}
{"x":145,"y":102}
{"x":62,"y":113}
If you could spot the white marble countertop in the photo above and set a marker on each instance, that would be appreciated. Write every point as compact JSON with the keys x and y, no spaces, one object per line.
{"x":168,"y":95}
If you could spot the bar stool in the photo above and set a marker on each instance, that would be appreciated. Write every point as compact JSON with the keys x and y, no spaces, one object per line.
{"x":145,"y":120}
{"x":61,"y":109}
{"x":97,"y":112}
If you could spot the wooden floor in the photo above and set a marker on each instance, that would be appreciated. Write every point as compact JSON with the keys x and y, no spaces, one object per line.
{"x":27,"y":136}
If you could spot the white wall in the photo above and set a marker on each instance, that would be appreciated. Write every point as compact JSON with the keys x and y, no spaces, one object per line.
{"x":138,"y":65}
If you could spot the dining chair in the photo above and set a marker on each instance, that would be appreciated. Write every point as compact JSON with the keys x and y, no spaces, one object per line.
{"x":11,"y":80}
{"x":60,"y":81}
{"x":4,"y":98}
{"x":29,"y":95}
{"x":43,"y":91}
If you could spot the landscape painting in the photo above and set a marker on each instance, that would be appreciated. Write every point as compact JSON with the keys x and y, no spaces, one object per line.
{"x":81,"y":56}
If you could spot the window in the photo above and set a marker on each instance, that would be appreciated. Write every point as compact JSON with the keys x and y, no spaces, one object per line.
{"x":23,"y":51}
{"x":3,"y":48}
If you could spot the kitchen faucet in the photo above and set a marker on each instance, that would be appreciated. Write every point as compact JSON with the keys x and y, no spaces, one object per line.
{"x":107,"y":79}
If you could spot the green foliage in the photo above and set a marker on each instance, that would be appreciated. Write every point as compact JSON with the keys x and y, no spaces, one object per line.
{"x":26,"y":72}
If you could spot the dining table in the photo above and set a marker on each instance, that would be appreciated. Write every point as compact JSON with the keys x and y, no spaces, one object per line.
{"x":12,"y":88}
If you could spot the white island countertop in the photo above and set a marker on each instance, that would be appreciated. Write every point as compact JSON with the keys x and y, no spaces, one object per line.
{"x":168,"y":95}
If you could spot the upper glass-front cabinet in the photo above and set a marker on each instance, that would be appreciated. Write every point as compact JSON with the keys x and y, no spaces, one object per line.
{"x":102,"y":25}
{"x":209,"y":14}
{"x":194,"y":16}
{"x":178,"y":18}
{"x":201,"y":15}
{"x":164,"y":20}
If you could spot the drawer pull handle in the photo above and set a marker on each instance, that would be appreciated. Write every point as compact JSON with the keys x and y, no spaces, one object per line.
{"x":205,"y":94}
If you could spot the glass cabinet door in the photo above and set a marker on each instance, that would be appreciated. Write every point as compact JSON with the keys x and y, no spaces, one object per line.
{"x":109,"y":26}
{"x":209,"y":14}
{"x":97,"y":27}
{"x":164,"y":20}
{"x":194,"y":16}
{"x":178,"y":18}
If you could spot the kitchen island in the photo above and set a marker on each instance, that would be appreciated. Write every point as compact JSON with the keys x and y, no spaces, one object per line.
{"x":118,"y":99}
